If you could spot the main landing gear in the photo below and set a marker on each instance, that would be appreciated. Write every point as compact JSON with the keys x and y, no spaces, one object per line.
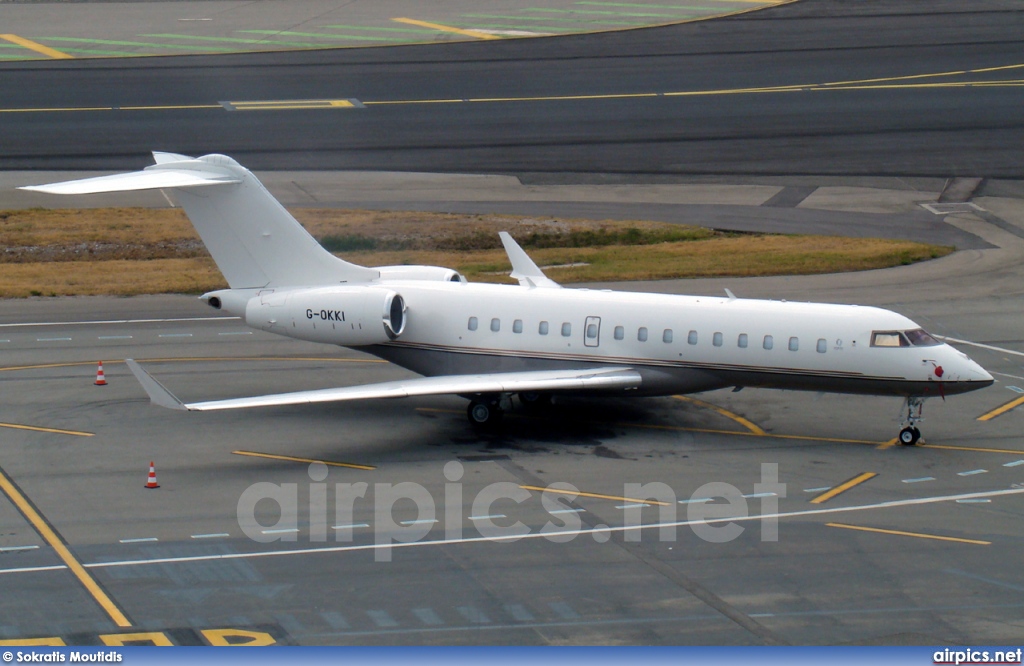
{"x":486,"y":411}
{"x":910,"y":434}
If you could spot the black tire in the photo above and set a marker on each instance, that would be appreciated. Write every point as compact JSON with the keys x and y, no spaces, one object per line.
{"x":484,"y":413}
{"x":909,"y":436}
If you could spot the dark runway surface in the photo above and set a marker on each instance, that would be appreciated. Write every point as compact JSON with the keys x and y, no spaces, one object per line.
{"x":817,"y":87}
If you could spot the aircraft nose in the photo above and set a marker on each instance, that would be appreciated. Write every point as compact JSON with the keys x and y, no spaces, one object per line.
{"x":976,"y":373}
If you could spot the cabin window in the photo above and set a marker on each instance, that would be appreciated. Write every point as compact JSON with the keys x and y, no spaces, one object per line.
{"x":495,"y":324}
{"x":741,"y":341}
{"x":692,"y":337}
{"x":822,"y":345}
{"x":919,"y":338}
{"x":888,"y":339}
{"x":620,"y":332}
{"x":566,"y":329}
{"x":592,"y":331}
{"x":641,"y":334}
{"x":667,"y":335}
{"x":769,"y":342}
{"x":543,"y":328}
{"x":716,"y":339}
{"x":794,"y":344}
{"x":517,"y":326}
{"x":472,"y":323}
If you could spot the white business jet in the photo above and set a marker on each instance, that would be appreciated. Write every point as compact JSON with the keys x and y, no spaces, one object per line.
{"x":487,"y":342}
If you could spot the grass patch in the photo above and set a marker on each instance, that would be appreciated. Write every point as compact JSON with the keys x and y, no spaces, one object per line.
{"x":129,"y":251}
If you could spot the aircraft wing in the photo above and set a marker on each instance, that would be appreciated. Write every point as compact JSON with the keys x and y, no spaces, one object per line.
{"x":502,"y":382}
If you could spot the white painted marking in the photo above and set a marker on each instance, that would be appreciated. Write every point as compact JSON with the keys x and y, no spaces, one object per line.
{"x":142,"y":540}
{"x":978,"y":344}
{"x":11,"y":549}
{"x":4,"y":340}
{"x":695,"y":500}
{"x":919,"y":480}
{"x":419,"y":522}
{"x":631,"y":506}
{"x":115,"y":321}
{"x":1003,"y":374}
{"x":758,"y":495}
{"x":114,"y":337}
{"x":490,"y":517}
{"x":53,"y":339}
{"x":237,"y":333}
{"x":532,"y":535}
{"x":817,"y":490}
{"x":973,"y":501}
{"x":1016,"y":389}
{"x":219,"y":535}
{"x":350,"y":527}
{"x":175,"y":335}
{"x":282,"y":531}
{"x":972,"y":472}
{"x":557,"y":511}
{"x":1015,"y":463}
{"x":52,"y":567}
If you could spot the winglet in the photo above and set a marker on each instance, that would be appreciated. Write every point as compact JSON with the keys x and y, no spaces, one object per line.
{"x":728,"y":292}
{"x":523,"y":268}
{"x":158,"y":395}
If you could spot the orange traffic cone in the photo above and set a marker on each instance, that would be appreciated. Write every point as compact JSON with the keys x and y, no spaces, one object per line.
{"x":151,"y":482}
{"x":100,"y":379}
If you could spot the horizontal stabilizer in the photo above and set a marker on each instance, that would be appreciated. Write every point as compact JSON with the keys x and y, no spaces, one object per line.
{"x":504,"y":382}
{"x":138,"y":180}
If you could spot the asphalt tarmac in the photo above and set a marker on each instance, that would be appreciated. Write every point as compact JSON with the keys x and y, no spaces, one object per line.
{"x":260,"y":531}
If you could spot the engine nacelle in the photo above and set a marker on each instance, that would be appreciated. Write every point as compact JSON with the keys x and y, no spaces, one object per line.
{"x":347,"y":316}
{"x":430,"y":273}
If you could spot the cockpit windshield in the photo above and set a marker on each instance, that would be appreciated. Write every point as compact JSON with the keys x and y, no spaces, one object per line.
{"x":920,"y":338}
{"x":916,"y":338}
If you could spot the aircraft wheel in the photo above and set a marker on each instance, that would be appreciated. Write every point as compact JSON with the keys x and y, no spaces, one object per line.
{"x":484,"y":413}
{"x":909,"y":436}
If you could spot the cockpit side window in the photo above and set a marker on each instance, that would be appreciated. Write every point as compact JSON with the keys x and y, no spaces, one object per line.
{"x":919,"y":338}
{"x":888,"y":339}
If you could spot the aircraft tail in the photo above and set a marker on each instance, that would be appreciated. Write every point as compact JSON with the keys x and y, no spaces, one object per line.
{"x":254,"y":241}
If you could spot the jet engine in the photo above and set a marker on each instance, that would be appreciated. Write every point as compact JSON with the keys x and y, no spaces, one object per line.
{"x":347,"y":316}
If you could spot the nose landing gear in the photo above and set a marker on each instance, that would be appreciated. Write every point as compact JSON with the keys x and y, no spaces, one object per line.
{"x":910,"y":434}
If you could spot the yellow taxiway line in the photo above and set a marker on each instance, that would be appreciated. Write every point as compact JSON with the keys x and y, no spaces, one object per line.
{"x":749,"y":425}
{"x":63,"y":552}
{"x":579,"y":493}
{"x":35,"y":46}
{"x":937,"y":537}
{"x":446,"y":28}
{"x":18,"y":426}
{"x":330,"y":463}
{"x":843,"y":487}
{"x":1002,"y":409}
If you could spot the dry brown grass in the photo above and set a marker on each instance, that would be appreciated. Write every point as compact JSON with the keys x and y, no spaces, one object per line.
{"x":129,"y":251}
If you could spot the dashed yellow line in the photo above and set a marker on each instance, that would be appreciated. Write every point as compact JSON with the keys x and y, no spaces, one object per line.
{"x":19,"y":426}
{"x":579,"y":493}
{"x":1002,"y":409}
{"x":63,"y":552}
{"x":330,"y":463}
{"x":843,"y":487}
{"x":446,"y":28}
{"x":749,"y":425}
{"x":918,"y":535}
{"x":35,"y":46}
